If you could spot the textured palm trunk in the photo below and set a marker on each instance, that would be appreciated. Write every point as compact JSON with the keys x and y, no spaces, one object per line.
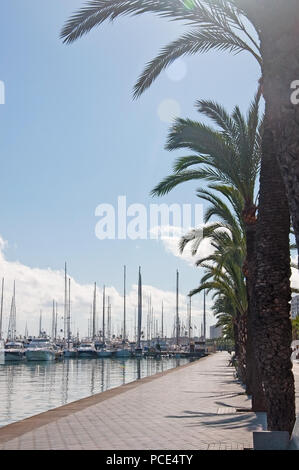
{"x":277,"y":23}
{"x":253,"y":378}
{"x":272,"y":324}
{"x":280,"y":46}
{"x":240,"y":343}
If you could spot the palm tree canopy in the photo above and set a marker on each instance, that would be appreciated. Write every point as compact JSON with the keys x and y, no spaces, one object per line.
{"x":215,"y":25}
{"x":230,"y":155}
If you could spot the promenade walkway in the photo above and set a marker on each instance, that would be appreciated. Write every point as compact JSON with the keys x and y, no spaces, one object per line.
{"x":191,"y":408}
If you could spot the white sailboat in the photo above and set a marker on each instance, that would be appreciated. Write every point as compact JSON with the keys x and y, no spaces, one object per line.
{"x":41,"y":349}
{"x":69,"y":351}
{"x":104,"y":351}
{"x":138,"y":349}
{"x":124,"y":351}
{"x":13,"y":350}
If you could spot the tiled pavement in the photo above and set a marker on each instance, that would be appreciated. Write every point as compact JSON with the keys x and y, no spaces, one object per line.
{"x":190,"y":408}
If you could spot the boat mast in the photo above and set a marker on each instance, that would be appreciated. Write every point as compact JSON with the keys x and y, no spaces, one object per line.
{"x":125,"y":272}
{"x":1,"y":311}
{"x":94,"y":313}
{"x":177,"y":309}
{"x":104,"y":315}
{"x":65,"y":305}
{"x":204,"y":315}
{"x":53,"y":322}
{"x":190,"y":318}
{"x":139,"y":310}
{"x":56,"y":317}
{"x":162,"y":320}
{"x":40,"y":324}
{"x":69,"y":317}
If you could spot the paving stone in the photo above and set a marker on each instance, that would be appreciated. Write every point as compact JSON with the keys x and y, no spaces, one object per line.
{"x":178,"y":410}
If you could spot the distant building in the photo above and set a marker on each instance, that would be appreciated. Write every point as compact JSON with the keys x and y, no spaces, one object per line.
{"x":215,"y":332}
{"x":295,"y":307}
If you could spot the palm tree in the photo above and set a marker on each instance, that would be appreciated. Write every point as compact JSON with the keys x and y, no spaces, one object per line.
{"x":232,"y":156}
{"x":223,"y":25}
{"x":224,"y":274}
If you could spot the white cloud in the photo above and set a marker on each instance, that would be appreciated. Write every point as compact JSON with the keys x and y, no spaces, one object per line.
{"x":36,"y":288}
{"x":170,"y":237}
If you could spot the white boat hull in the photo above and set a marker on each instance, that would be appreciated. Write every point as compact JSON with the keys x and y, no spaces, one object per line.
{"x":70,"y":354}
{"x":87,"y":354}
{"x":123,"y":353}
{"x":41,"y":355}
{"x":14,"y":356}
{"x":104,"y":353}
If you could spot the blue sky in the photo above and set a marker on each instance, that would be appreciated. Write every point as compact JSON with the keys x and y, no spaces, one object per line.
{"x":73,"y":138}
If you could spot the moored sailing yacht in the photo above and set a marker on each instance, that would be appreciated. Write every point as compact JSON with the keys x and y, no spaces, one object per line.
{"x":14,"y":351}
{"x":41,"y":349}
{"x":87,"y":350}
{"x":138,"y":349}
{"x":69,"y":351}
{"x":124,"y":351}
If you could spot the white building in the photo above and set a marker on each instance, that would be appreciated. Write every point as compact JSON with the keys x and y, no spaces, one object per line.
{"x":215,"y":332}
{"x":295,"y":307}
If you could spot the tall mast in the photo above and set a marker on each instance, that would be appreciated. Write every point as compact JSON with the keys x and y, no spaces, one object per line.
{"x":125,"y":272}
{"x":162,"y":320}
{"x":190,"y":318}
{"x":94,"y":312}
{"x":65,"y":305}
{"x":56,"y":317}
{"x":40,"y":323}
{"x":139,"y":310}
{"x":204,"y":315}
{"x":104,"y":315}
{"x":1,"y":311}
{"x":177,"y":309}
{"x":53,"y":322}
{"x":69,"y":316}
{"x":109,"y":320}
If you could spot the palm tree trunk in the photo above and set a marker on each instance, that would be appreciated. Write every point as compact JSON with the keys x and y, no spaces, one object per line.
{"x":253,"y":378}
{"x":240,"y":345}
{"x":277,"y":23}
{"x":272,"y":324}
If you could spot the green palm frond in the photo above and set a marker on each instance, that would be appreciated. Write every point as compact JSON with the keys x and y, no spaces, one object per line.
{"x":218,"y":25}
{"x":194,"y":42}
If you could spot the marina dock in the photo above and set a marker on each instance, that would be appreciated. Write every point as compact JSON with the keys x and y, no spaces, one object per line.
{"x":193,"y":407}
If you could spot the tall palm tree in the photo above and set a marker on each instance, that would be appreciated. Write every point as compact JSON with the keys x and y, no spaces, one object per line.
{"x":223,"y":25}
{"x":224,"y":274}
{"x":231,"y":155}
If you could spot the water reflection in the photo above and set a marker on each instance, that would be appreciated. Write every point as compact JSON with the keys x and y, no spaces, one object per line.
{"x":30,"y":388}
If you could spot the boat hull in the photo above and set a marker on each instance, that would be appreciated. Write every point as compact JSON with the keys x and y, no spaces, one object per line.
{"x":40,"y":355}
{"x":104,"y":353}
{"x":14,"y":356}
{"x":123,"y":353}
{"x":70,"y":354}
{"x":87,"y":354}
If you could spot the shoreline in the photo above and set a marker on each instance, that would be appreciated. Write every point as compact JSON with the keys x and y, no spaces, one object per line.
{"x":18,"y":428}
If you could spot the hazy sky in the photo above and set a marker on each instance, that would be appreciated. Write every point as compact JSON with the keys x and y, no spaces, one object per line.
{"x":73,"y":138}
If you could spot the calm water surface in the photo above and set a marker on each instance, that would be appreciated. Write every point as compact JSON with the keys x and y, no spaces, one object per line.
{"x":27,"y":389}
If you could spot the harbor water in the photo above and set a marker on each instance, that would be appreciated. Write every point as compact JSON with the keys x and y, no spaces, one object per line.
{"x":29,"y":388}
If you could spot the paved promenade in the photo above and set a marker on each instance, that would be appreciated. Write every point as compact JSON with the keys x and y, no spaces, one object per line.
{"x":192,"y":407}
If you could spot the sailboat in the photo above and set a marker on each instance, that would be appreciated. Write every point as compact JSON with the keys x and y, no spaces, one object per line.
{"x":104,"y":351}
{"x":138,"y":350}
{"x":13,"y":350}
{"x":69,"y":351}
{"x":87,"y":349}
{"x":124,"y":351}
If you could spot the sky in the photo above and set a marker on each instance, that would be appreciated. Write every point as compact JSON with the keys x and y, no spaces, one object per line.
{"x":72,"y":138}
